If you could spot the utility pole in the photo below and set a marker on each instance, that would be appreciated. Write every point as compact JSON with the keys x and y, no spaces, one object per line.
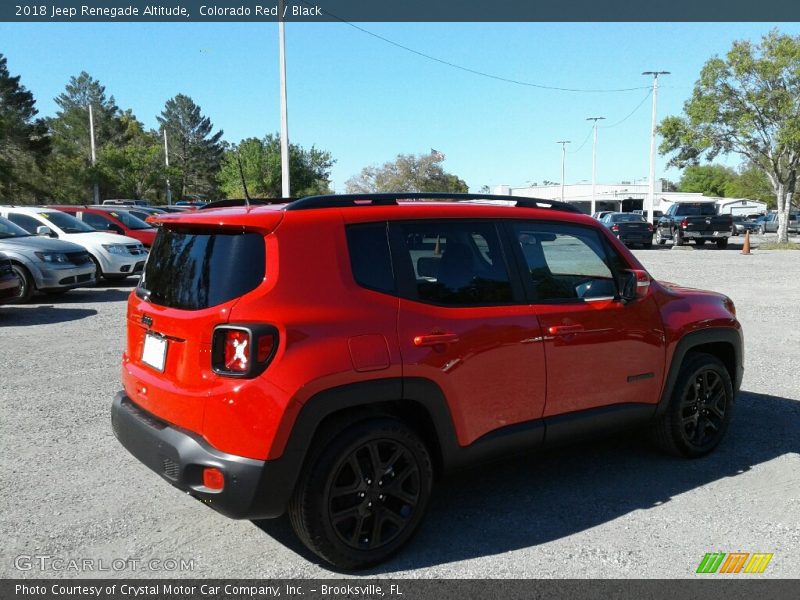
{"x":594,"y":158}
{"x":285,"y":187}
{"x":166,"y":164}
{"x":563,"y":161}
{"x":94,"y":155}
{"x":651,"y":193}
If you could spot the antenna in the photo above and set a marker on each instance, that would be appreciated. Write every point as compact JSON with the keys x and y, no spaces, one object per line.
{"x":244,"y":184}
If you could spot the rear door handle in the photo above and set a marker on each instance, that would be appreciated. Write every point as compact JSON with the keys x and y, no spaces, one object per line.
{"x":565,"y":329}
{"x":435,"y":339}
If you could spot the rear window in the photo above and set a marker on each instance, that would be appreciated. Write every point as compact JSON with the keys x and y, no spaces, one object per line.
{"x":706,"y":209}
{"x":191,"y":270}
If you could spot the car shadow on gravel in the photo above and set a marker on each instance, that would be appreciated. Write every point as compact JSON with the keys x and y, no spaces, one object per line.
{"x":22,"y":316}
{"x":526,"y":501}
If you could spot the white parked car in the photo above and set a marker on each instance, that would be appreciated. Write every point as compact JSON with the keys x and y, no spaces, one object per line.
{"x":115,"y":256}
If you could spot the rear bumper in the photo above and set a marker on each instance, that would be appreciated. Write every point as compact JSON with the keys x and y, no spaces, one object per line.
{"x":253,"y":489}
{"x":706,"y":234}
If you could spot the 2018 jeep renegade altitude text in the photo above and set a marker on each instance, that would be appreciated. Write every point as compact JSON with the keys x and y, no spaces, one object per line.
{"x":332,"y":356}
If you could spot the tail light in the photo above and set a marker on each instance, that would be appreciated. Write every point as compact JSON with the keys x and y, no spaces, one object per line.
{"x":650,"y":227}
{"x":243,"y":350}
{"x":684,"y":223}
{"x":615,"y":228}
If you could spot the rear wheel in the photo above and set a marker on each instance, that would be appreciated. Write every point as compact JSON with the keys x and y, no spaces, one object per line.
{"x":677,"y":237}
{"x":660,"y":239}
{"x":700,"y":242}
{"x":363,"y":493}
{"x":26,"y":285}
{"x":699,"y":410}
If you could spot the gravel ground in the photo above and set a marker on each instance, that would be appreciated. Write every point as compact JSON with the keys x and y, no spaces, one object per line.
{"x":609,"y":509}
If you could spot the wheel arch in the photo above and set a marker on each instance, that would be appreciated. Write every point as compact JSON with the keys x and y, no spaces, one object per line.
{"x":723,"y":342}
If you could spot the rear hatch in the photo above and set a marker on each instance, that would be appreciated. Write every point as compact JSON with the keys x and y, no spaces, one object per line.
{"x":198,"y":268}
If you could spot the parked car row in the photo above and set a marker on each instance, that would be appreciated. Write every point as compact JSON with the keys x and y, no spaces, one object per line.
{"x":52,"y":251}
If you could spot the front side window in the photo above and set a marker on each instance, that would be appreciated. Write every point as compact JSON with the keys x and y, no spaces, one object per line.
{"x":27,"y":223}
{"x":454,"y":263}
{"x":66,"y":223}
{"x":96,"y":221}
{"x":565,"y":262}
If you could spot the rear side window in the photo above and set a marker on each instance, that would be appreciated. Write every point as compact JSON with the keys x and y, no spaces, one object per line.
{"x":29,"y":224}
{"x":454,"y":263}
{"x":190,"y":269}
{"x":370,"y":258}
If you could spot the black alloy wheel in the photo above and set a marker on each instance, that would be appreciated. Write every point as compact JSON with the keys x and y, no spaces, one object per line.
{"x":699,"y":410}
{"x":363,"y":492}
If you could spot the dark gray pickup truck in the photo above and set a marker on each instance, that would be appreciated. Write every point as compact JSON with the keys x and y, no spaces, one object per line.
{"x":696,"y":221}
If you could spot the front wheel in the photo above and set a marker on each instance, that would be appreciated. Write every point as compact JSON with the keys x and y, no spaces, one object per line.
{"x":700,"y":242}
{"x":762,"y":230}
{"x":660,"y":239}
{"x":699,"y":410}
{"x":363,"y":493}
{"x":722,"y":243}
{"x":26,"y":285}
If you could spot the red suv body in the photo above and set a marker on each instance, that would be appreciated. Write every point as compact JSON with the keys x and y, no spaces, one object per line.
{"x":330,"y":356}
{"x":112,"y":220}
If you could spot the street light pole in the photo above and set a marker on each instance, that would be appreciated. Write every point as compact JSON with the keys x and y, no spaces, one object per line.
{"x":166,"y":164}
{"x":96,"y":192}
{"x":285,"y":187}
{"x":651,"y":193}
{"x":563,"y":161}
{"x":594,"y":159}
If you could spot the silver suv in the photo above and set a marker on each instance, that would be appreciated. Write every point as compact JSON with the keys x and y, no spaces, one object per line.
{"x":44,"y":264}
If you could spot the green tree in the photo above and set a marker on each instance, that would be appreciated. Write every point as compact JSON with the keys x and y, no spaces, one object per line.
{"x":24,"y":142}
{"x":194,"y":150}
{"x":751,"y":182}
{"x":69,"y":170}
{"x":260,"y":159}
{"x":746,"y":103}
{"x":710,"y":180}
{"x":407,"y":173}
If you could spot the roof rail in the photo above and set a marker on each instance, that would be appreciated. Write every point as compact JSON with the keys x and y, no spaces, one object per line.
{"x":242,"y":202}
{"x":390,"y":199}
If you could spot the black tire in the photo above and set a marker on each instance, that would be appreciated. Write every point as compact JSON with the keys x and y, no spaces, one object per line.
{"x":700,"y":242}
{"x":115,"y":277}
{"x":647,"y":245}
{"x":722,"y":243}
{"x":27,"y":286}
{"x":692,"y":426}
{"x":660,"y":239}
{"x":762,"y":230}
{"x":363,"y":493}
{"x":98,"y":272}
{"x":677,"y":238}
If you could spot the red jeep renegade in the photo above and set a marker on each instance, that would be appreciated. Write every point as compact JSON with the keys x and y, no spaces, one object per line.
{"x":333,"y":355}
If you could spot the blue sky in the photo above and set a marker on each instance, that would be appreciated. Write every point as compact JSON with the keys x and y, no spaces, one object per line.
{"x":365,"y":100}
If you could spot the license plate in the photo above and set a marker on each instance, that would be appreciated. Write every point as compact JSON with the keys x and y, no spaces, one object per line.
{"x":154,"y":352}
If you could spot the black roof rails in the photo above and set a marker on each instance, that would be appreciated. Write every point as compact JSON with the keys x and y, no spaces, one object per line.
{"x":242,"y":202}
{"x":390,"y":199}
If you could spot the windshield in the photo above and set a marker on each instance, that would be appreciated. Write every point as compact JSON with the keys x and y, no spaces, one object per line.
{"x":707,"y":209}
{"x":130,"y":221}
{"x":66,"y":223}
{"x":627,"y":217}
{"x":10,"y":230}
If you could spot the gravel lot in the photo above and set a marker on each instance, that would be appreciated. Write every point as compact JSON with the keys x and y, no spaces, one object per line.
{"x":608,"y":509}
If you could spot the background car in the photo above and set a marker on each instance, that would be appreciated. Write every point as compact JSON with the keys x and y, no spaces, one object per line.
{"x":601,"y":213}
{"x":115,"y":256}
{"x":142,"y":212}
{"x":44,"y":264}
{"x":769,"y":223}
{"x":741,"y":224}
{"x":630,"y":228}
{"x":115,"y":220}
{"x":9,"y":282}
{"x":125,"y":202}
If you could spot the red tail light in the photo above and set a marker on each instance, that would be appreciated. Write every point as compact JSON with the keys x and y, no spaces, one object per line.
{"x":213,"y":478}
{"x":685,"y":223}
{"x":243,"y":350}
{"x":615,"y":228}
{"x":649,"y":227}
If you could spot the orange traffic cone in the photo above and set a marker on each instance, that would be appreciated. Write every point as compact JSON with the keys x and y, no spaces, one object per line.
{"x":746,"y":247}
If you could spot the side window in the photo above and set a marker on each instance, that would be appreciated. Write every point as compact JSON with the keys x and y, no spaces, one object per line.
{"x":29,"y":224}
{"x":94,"y":220}
{"x":566,"y":263}
{"x":454,"y":263}
{"x":370,"y":258}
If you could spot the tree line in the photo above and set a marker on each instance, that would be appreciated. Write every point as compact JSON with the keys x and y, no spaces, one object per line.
{"x":50,"y":159}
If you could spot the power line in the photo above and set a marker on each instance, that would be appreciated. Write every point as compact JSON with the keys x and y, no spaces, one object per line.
{"x":638,"y":106}
{"x":481,"y":73}
{"x":583,"y":143}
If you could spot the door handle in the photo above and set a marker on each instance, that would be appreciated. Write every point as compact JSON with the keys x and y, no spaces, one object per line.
{"x":565,"y":329}
{"x":435,"y":339}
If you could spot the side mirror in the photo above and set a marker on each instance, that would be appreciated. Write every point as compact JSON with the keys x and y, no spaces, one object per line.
{"x":44,"y":230}
{"x":635,"y":284}
{"x":116,"y":228}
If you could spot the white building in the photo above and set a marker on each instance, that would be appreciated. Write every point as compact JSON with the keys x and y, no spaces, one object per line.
{"x":627,"y":197}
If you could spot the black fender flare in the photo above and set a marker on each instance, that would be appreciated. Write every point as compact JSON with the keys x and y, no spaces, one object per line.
{"x":712,"y":335}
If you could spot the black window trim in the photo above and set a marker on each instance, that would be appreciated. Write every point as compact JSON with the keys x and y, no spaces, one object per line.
{"x":521,"y":265}
{"x":404,"y":270}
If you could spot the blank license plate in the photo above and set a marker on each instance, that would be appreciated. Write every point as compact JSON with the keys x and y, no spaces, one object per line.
{"x":154,"y":352}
